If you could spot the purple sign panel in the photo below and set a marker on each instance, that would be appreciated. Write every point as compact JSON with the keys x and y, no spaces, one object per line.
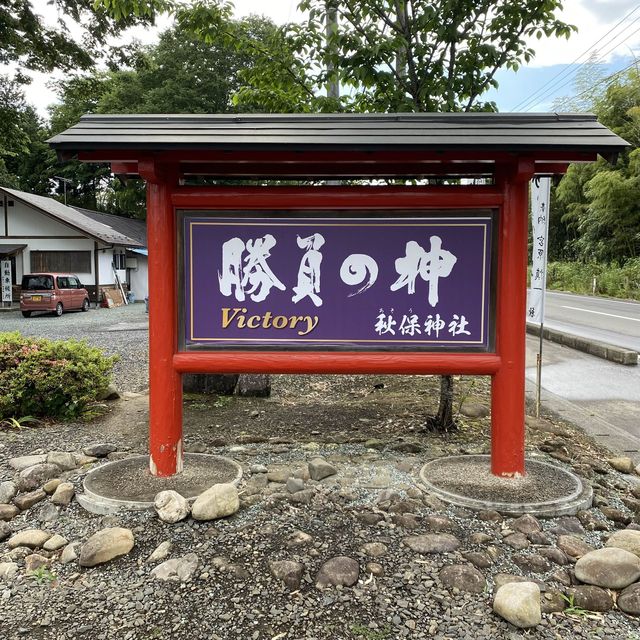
{"x":419,"y":283}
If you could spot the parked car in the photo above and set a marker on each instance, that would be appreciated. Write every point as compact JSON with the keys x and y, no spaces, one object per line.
{"x":57,"y":292}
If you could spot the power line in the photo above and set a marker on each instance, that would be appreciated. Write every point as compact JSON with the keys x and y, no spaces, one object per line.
{"x":612,"y":79}
{"x":567,"y":69}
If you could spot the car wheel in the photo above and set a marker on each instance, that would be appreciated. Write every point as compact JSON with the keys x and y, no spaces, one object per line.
{"x":85,"y":305}
{"x":58,"y":310}
{"x":26,"y":314}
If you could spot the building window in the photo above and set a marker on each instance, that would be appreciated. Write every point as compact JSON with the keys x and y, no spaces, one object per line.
{"x":119,"y":261}
{"x":61,"y":261}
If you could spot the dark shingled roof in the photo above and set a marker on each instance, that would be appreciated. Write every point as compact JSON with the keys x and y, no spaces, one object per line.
{"x":514,"y":132}
{"x":110,"y":229}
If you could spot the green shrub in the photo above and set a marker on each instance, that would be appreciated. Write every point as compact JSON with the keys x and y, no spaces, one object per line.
{"x":610,"y":279}
{"x":46,"y":378}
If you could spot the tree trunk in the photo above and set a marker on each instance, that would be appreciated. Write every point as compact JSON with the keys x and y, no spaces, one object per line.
{"x":443,"y":421}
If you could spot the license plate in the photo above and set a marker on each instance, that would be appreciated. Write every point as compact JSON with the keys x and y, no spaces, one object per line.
{"x":36,"y":298}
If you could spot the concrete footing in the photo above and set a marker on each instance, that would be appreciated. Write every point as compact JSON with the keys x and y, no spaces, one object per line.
{"x":127,"y":485}
{"x":545,"y":490}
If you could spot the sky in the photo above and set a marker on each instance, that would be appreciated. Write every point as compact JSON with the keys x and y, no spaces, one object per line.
{"x":533,"y":88}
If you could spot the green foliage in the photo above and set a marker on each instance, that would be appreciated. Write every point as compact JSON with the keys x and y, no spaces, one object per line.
{"x":56,"y":379}
{"x":18,"y":423}
{"x":43,"y":575}
{"x":362,"y":631}
{"x":611,"y":279}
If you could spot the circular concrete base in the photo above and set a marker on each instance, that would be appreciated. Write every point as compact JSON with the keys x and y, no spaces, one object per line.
{"x":127,"y":485}
{"x":545,"y":490}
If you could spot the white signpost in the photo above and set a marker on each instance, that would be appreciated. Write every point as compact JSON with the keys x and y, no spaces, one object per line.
{"x":540,"y":194}
{"x":5,"y":271}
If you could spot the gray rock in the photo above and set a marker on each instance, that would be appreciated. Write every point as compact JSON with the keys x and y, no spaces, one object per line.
{"x":610,"y":568}
{"x":526,"y":524}
{"x":49,"y":513}
{"x":8,"y":491}
{"x":500,"y":579}
{"x":160,"y":552}
{"x":70,"y":553}
{"x":110,"y":393}
{"x":478,"y":559}
{"x":573,"y":547}
{"x":5,"y":530}
{"x":538,"y":538}
{"x":519,"y":604}
{"x":629,"y":600}
{"x":24,"y":462}
{"x":99,"y":450}
{"x":337,"y":571}
{"x":617,"y":515}
{"x":258,"y":468}
{"x":32,"y":538}
{"x":555,"y":555}
{"x":591,"y":598}
{"x":105,"y":545}
{"x":474,"y":409}
{"x":27,"y":500}
{"x":8,"y":570}
{"x":463,"y":577}
{"x":219,"y":501}
{"x":64,"y":494}
{"x":170,"y":506}
{"x":531,"y":562}
{"x":255,"y":485}
{"x":552,"y":601}
{"x":279,"y":473}
{"x":55,"y":542}
{"x":294,"y":485}
{"x":627,"y":539}
{"x":8,"y":511}
{"x":34,"y":562}
{"x":432,"y":543}
{"x":489,"y":515}
{"x":517,"y":541}
{"x":177,"y":569}
{"x":320,"y":469}
{"x":50,"y":486}
{"x":298,"y":538}
{"x":438,"y":524}
{"x":288,"y":571}
{"x":374,"y":549}
{"x":480,"y":538}
{"x":253,"y":385}
{"x":623,"y":464}
{"x":375,"y":569}
{"x":34,"y":477}
{"x":62,"y":459}
{"x":302,"y":497}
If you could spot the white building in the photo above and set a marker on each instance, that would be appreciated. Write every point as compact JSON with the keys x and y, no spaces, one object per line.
{"x":41,"y":234}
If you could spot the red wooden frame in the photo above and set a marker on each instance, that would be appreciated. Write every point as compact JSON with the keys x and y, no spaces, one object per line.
{"x":506,"y":366}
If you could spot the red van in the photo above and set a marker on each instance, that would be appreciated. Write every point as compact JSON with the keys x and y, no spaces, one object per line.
{"x":57,"y":292}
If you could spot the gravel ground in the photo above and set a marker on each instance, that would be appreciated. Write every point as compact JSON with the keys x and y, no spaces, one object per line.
{"x":121,"y":331}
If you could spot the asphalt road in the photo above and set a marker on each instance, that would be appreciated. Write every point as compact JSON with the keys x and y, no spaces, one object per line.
{"x":607,"y":320}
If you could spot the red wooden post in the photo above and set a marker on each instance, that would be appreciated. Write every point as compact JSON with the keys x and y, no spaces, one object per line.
{"x":165,"y":384}
{"x":507,"y":388}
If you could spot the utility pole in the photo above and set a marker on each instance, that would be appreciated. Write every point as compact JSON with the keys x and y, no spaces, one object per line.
{"x":331,"y":28}
{"x":64,"y":187}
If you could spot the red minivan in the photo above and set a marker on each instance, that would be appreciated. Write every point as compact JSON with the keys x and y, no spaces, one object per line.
{"x":55,"y":292}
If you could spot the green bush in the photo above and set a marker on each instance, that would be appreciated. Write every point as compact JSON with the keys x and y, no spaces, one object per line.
{"x":46,"y":378}
{"x":610,"y":279}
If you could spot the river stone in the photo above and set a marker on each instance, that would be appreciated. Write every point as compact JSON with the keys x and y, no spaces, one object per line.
{"x":526,"y":524}
{"x":105,"y":545}
{"x":70,"y":553}
{"x":8,"y":491}
{"x":62,"y":459}
{"x":161,"y":551}
{"x":170,"y":506}
{"x":375,"y":569}
{"x":55,"y":542}
{"x":5,"y":530}
{"x":34,"y":477}
{"x":219,"y":501}
{"x":623,"y":464}
{"x":8,"y":511}
{"x":474,"y":409}
{"x":629,"y":600}
{"x":533,"y":562}
{"x":374,"y":549}
{"x":552,"y":601}
{"x":63,"y":494}
{"x":610,"y":568}
{"x":32,"y":538}
{"x":24,"y":462}
{"x":99,"y":450}
{"x":480,"y":538}
{"x":50,"y":487}
{"x":555,"y":555}
{"x":478,"y":559}
{"x":439,"y":524}
{"x":295,"y":484}
{"x":591,"y":598}
{"x":517,"y":541}
{"x":626,"y":539}
{"x":177,"y":569}
{"x":573,"y":547}
{"x":8,"y":570}
{"x":432,"y":543}
{"x":35,"y":561}
{"x":319,"y":469}
{"x":288,"y":571}
{"x":463,"y":577}
{"x":519,"y":604}
{"x":340,"y":570}
{"x":298,"y":538}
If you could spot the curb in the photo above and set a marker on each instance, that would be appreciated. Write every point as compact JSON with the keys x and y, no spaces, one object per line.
{"x":603,"y":350}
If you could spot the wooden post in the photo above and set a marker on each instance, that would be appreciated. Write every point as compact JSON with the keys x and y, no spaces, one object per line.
{"x":507,"y":388}
{"x":165,"y":383}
